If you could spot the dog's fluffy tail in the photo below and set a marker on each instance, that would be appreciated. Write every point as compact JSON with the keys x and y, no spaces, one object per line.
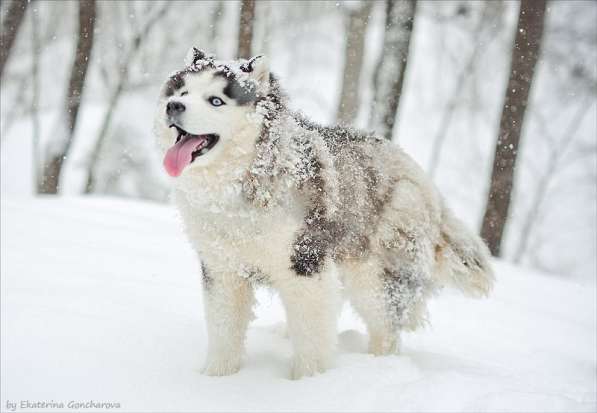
{"x":463,"y":258}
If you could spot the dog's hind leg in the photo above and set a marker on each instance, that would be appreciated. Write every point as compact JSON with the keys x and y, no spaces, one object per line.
{"x":311,"y":304}
{"x":366,"y":292}
{"x":389,"y":299}
{"x":228,"y":300}
{"x":389,"y":288}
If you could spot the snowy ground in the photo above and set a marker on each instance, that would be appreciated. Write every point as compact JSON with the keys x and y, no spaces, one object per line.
{"x":101,"y":301}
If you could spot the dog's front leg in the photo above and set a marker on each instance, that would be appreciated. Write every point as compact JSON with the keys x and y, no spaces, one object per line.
{"x":311,"y":307}
{"x":228,"y":301}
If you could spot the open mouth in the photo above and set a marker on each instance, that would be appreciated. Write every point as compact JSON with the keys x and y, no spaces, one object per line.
{"x":186,"y":149}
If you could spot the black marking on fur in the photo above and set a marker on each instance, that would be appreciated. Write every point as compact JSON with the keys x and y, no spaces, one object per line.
{"x":175,"y":83}
{"x":260,"y":178}
{"x":309,"y":167}
{"x":327,"y":235}
{"x":405,"y":289}
{"x":205,"y":277}
{"x":250,"y":65}
{"x":319,"y":233}
{"x":198,"y":55}
{"x":378,"y":197}
{"x":200,"y":63}
{"x":260,"y":175}
{"x":310,"y":250}
{"x":243,"y":93}
{"x":274,"y":103}
{"x":315,"y":241}
{"x":335,"y":137}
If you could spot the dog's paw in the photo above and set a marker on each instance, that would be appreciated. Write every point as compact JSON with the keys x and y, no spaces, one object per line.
{"x":384,"y":345}
{"x":221,"y":367}
{"x":304,"y":367}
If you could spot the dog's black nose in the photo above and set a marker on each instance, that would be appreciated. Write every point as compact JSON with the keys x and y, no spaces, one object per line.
{"x":173,"y":108}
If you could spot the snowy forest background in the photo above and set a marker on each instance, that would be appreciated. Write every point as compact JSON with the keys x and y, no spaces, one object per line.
{"x":433,"y":76}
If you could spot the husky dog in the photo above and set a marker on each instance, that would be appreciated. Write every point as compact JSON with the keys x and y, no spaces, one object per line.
{"x":268,"y":197}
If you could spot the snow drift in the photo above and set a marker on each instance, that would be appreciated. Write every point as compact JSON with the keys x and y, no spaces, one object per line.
{"x":101,"y":302}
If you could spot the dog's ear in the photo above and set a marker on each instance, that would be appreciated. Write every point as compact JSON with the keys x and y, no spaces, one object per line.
{"x":258,"y":68}
{"x":194,"y":55}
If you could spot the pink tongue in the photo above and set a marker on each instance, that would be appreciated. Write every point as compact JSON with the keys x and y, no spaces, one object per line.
{"x":181,"y":154}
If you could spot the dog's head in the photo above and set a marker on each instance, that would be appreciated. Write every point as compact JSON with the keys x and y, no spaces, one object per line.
{"x":204,"y":108}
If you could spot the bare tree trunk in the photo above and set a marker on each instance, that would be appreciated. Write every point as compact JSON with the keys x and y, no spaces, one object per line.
{"x":60,"y":148}
{"x":134,"y":48}
{"x":245,"y":30}
{"x":348,"y":107}
{"x":389,"y":76}
{"x":12,"y":23}
{"x":35,"y":122}
{"x":525,"y":53}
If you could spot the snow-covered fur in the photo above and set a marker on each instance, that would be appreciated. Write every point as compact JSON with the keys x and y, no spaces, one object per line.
{"x":305,"y":209}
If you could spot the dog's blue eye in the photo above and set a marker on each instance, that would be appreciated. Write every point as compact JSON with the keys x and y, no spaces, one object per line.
{"x":216,"y":101}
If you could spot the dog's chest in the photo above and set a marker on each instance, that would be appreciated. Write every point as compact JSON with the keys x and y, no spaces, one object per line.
{"x":227,"y":230}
